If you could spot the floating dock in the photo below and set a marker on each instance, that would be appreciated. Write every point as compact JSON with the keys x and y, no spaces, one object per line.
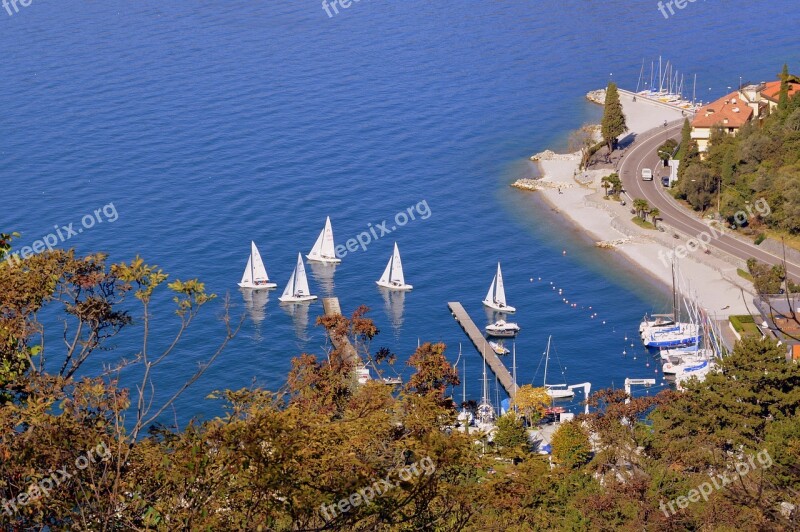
{"x":483,"y":347}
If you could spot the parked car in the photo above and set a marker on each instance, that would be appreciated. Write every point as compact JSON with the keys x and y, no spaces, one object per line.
{"x":665,"y":180}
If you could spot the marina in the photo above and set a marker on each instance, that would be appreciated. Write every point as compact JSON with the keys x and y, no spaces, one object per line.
{"x":492,"y":360}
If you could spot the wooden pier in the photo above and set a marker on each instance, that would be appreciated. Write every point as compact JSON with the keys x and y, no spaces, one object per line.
{"x":331,"y":307}
{"x":483,"y":347}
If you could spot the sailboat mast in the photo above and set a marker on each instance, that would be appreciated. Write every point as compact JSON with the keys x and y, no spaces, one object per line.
{"x":547,"y":359}
{"x":485,"y":384}
{"x":660,"y":78}
{"x":694,"y":90}
{"x":641,"y":71}
{"x":464,"y":380}
{"x":674,"y":295}
{"x":652,"y":70}
{"x":514,"y":365}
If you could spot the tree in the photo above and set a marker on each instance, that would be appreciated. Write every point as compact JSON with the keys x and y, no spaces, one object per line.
{"x":511,"y":438}
{"x":686,"y":137}
{"x":570,"y":445}
{"x":434,"y":373}
{"x":606,"y":183}
{"x":666,"y":150}
{"x":613,"y":124}
{"x":767,"y":280}
{"x":641,"y":206}
{"x":655,"y":213}
{"x":616,"y":184}
{"x":532,"y":402}
{"x":783,"y":95}
{"x":582,"y":140}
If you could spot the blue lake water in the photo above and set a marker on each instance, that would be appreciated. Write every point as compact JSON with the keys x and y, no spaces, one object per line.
{"x":208,"y":124}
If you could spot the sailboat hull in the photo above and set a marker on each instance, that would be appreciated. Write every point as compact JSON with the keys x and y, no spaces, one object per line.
{"x":392,"y":286}
{"x":496,"y":306}
{"x":560,"y":394}
{"x":326,"y":260}
{"x":254,"y":286}
{"x":296,"y":299}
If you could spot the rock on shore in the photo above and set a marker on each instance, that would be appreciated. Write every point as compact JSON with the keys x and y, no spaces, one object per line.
{"x":598,"y":96}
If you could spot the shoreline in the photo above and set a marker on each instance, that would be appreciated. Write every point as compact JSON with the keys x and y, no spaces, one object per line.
{"x":578,"y":198}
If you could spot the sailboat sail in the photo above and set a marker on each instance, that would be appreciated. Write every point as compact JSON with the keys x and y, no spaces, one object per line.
{"x":387,"y":273}
{"x":259,"y":271}
{"x":397,"y":268}
{"x":247,"y":276}
{"x":500,"y":292}
{"x":301,"y":280}
{"x":324,"y":247}
{"x":490,"y":293}
{"x":289,"y":291}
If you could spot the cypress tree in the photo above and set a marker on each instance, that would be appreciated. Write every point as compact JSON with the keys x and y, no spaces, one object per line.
{"x":613,"y":124}
{"x":783,"y":96}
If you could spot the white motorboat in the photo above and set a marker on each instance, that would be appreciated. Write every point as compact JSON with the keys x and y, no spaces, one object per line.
{"x":324,"y":249}
{"x":255,"y":274}
{"x":393,"y":277}
{"x":297,"y":289}
{"x":496,"y":297}
{"x":502,"y":329}
{"x":499,"y":348}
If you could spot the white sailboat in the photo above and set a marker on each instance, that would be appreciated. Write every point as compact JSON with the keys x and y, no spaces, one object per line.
{"x":297,"y":288}
{"x":465,"y":417}
{"x":255,"y":274}
{"x":496,"y":297}
{"x":392,"y":277}
{"x":323,"y":250}
{"x":485,"y":412}
{"x":555,"y":391}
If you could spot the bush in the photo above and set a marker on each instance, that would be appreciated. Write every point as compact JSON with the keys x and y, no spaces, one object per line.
{"x":759,"y":239}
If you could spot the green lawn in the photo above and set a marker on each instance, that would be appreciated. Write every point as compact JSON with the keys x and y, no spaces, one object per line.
{"x":642,"y":223}
{"x":745,"y":325}
{"x":744,"y":275}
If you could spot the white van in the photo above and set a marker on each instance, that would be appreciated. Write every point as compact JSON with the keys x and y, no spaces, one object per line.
{"x":647,"y":174}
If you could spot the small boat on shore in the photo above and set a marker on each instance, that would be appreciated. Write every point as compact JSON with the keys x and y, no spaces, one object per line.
{"x":255,"y":273}
{"x":393,"y":277}
{"x":324,"y":249}
{"x":502,"y":329}
{"x":297,"y":290}
{"x":496,"y":297}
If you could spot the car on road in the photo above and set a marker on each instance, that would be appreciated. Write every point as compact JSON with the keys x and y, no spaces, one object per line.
{"x":647,"y":174}
{"x":665,"y":180}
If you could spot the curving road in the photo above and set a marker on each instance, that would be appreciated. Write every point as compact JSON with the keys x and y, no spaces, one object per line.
{"x":642,"y":154}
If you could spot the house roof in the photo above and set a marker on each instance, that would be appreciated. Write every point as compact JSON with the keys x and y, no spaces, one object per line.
{"x":729,"y":111}
{"x":771,"y":90}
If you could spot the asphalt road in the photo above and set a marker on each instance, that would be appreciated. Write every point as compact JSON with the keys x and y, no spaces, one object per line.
{"x":642,"y":154}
